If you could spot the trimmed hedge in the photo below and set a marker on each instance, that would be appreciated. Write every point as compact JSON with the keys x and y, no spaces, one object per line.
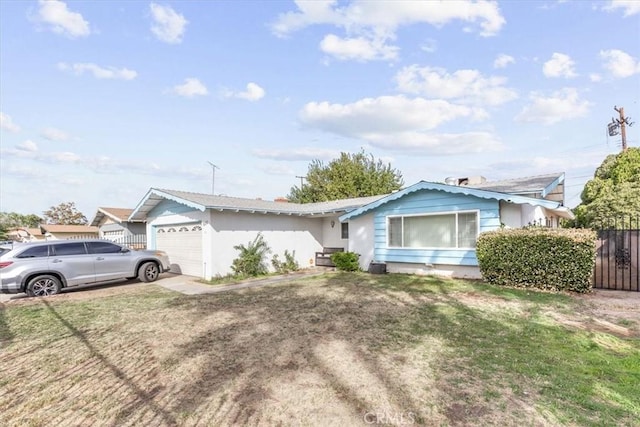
{"x":559,"y":259}
{"x":346,"y":261}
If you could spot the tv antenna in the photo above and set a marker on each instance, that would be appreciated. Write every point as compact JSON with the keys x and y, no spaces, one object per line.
{"x":213,"y":177}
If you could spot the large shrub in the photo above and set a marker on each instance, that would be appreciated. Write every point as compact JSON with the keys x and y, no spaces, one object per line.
{"x":346,"y":261}
{"x":554,"y":259}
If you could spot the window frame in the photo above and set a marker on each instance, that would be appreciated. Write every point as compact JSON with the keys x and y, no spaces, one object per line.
{"x":454,"y":213}
{"x":344,"y":230}
{"x":91,"y":248}
{"x":59,"y":244}
{"x":22,"y":256}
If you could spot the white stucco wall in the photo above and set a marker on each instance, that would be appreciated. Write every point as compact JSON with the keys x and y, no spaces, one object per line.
{"x":510,"y":215}
{"x":532,"y":214}
{"x":281,"y":232}
{"x":332,"y":236}
{"x":361,"y":238}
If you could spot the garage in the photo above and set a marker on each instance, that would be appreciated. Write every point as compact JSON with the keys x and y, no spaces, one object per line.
{"x":183,"y":244}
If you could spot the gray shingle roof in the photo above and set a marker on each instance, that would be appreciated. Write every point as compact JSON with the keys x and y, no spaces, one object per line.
{"x":525,"y":185}
{"x":209,"y":201}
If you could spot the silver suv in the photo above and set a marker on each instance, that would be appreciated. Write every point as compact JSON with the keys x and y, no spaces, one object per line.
{"x":44,"y":268}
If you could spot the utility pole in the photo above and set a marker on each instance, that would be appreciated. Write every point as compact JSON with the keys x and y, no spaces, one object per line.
{"x":621,"y":123}
{"x":213,"y":177}
{"x":301,"y":180}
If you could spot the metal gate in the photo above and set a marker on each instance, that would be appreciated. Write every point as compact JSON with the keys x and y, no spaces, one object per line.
{"x":618,"y":255}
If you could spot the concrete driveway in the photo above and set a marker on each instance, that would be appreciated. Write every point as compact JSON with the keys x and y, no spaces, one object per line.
{"x":187,"y":285}
{"x":165,"y":280}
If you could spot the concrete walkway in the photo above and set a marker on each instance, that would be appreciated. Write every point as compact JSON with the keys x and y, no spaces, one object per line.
{"x":189,"y":285}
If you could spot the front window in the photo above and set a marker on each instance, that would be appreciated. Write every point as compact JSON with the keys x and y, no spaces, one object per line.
{"x":451,"y":230}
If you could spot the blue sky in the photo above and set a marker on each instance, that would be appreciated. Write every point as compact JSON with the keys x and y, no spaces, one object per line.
{"x":102,"y":100}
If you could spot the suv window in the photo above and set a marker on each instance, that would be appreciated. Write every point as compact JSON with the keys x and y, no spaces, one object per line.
{"x":69,"y":249}
{"x":34,"y":252}
{"x":103,"y":248}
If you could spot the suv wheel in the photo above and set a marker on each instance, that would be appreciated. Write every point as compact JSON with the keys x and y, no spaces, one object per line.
{"x":44,"y":285}
{"x":148,"y":272}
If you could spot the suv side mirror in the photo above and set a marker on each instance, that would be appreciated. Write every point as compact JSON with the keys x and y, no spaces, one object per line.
{"x":125,"y":250}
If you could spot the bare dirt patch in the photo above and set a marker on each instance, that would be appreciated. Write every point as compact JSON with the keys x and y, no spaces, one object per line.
{"x":617,"y":312}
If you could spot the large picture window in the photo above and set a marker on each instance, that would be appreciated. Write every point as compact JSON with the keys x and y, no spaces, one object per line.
{"x":450,"y":230}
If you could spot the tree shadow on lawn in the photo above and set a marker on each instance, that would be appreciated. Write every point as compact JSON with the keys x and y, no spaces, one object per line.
{"x":5,"y":333}
{"x":361,"y":349}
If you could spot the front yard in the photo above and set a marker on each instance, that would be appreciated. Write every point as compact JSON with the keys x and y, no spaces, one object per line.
{"x":338,"y":349}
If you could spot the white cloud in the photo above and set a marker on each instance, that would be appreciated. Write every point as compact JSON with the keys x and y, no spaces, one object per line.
{"x":29,"y":150}
{"x":368,"y":25}
{"x":169,"y":26}
{"x":28,"y":146}
{"x":190,"y":88}
{"x":252,"y":93}
{"x":560,"y":65}
{"x":302,"y":153}
{"x":503,"y":60}
{"x":595,"y":77}
{"x":384,"y":17}
{"x":560,"y":106}
{"x":65,"y":157}
{"x":61,"y":20}
{"x":53,"y":134}
{"x":630,"y":7}
{"x":397,"y":122}
{"x":98,"y":72}
{"x":423,"y":143}
{"x":430,"y":46}
{"x":6,"y":123}
{"x":358,"y":48}
{"x":620,"y":64}
{"x":467,"y":86}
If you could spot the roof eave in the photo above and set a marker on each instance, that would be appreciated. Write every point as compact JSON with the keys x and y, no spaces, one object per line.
{"x":140,"y":214}
{"x":423,"y":185}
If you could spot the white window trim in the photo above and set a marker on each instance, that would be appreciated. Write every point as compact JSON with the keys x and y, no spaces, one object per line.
{"x":476,"y":211}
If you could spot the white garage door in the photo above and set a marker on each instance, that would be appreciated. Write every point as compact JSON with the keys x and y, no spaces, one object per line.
{"x":183,"y":244}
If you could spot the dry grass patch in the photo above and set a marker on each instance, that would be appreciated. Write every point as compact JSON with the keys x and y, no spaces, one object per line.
{"x":340,"y":349}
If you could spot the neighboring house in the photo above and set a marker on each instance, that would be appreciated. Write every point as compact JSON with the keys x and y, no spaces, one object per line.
{"x":24,"y":234}
{"x":199,"y":231}
{"x":63,"y":232}
{"x":425,"y":228}
{"x":113,"y":224}
{"x":432,"y":228}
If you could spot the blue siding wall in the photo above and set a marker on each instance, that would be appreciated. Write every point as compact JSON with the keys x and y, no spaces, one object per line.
{"x":432,"y":201}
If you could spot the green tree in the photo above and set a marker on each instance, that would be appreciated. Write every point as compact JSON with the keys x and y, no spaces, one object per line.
{"x":65,"y":213}
{"x":14,"y":220}
{"x":3,"y":232}
{"x":613,"y":192}
{"x":351,"y":175}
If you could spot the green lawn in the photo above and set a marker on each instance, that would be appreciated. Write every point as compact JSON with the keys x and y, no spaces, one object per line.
{"x":340,"y":349}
